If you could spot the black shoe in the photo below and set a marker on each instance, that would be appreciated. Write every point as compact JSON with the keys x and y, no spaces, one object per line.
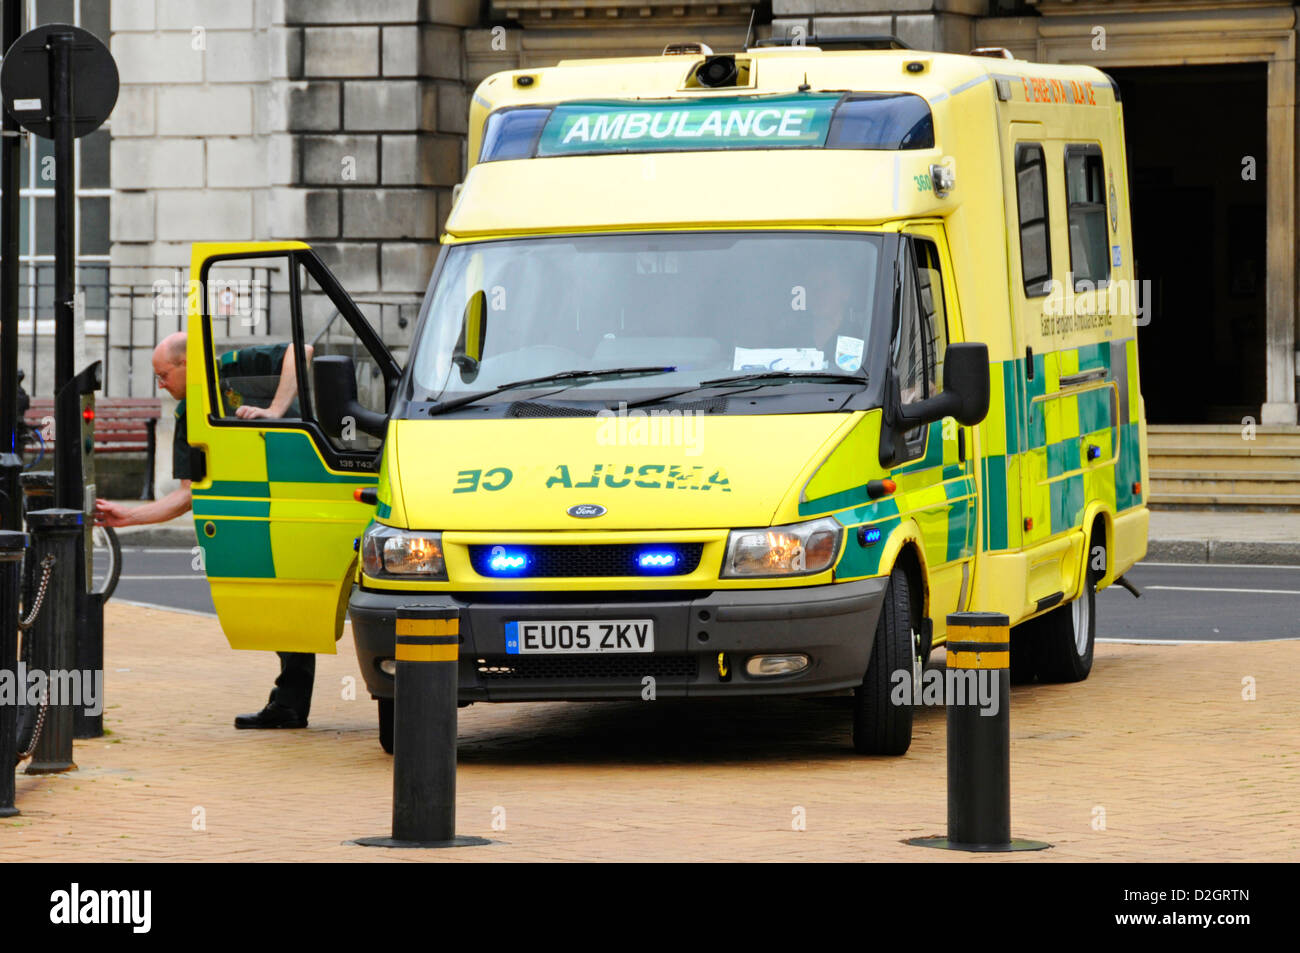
{"x":274,"y":715}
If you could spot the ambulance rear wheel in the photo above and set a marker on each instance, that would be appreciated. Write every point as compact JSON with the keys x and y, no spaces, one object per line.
{"x":386,"y":724}
{"x":880,"y":726}
{"x":1064,"y":642}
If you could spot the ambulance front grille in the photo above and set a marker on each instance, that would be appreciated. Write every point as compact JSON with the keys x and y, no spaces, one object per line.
{"x":607,"y":559}
{"x":631,"y":668}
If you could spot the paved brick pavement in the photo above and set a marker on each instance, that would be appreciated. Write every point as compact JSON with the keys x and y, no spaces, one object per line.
{"x":1159,"y":739}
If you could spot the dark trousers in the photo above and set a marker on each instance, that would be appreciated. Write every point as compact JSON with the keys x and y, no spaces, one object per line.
{"x":293,"y":687}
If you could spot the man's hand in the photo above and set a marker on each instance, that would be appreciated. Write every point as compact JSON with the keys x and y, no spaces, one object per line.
{"x":108,"y":513}
{"x":249,"y":412}
{"x":169,"y":507}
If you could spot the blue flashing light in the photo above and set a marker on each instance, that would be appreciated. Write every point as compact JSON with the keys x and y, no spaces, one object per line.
{"x":506,"y":562}
{"x":657,"y":559}
{"x":870,"y":536}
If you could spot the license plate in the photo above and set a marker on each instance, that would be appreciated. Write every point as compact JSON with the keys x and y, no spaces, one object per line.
{"x":583,"y":637}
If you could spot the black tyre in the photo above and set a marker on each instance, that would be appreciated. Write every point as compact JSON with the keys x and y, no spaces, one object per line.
{"x":1022,"y":653}
{"x":386,"y":724}
{"x":107,"y":554}
{"x":880,"y":726}
{"x":926,"y":640}
{"x":1064,"y":640}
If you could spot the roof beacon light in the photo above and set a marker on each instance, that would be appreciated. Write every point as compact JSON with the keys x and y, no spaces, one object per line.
{"x":718,"y":71}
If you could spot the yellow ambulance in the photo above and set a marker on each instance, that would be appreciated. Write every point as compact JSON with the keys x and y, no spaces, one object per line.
{"x":736,"y":375}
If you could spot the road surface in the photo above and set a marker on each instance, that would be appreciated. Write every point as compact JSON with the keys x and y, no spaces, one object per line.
{"x":1215,"y":603}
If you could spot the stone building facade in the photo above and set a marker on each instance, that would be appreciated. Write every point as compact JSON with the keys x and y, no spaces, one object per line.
{"x":342,"y":122}
{"x":334,"y":122}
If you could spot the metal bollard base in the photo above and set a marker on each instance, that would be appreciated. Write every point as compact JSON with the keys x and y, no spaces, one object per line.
{"x":457,"y":841}
{"x":944,"y":844}
{"x":50,"y":767}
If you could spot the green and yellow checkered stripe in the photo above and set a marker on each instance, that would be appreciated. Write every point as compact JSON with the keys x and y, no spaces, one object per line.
{"x":277,"y":526}
{"x":1041,"y":438}
{"x":935,"y":491}
{"x":1035,"y":436}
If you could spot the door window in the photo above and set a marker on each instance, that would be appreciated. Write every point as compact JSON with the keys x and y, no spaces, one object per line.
{"x":921,"y":335}
{"x":1085,"y":192}
{"x":908,"y":345}
{"x":250,"y":322}
{"x":1035,"y":231}
{"x":327,"y":331}
{"x":267,"y":318}
{"x":933,"y":314}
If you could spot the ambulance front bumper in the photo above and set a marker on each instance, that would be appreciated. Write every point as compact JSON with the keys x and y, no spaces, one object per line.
{"x":832,"y":625}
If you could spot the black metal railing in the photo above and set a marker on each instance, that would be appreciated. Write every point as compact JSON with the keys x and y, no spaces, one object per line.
{"x":125,"y":321}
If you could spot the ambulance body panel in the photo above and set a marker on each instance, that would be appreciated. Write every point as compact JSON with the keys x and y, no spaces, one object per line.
{"x":1009,"y":229}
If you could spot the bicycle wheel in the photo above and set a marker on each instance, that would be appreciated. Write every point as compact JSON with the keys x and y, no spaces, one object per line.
{"x":107,"y":559}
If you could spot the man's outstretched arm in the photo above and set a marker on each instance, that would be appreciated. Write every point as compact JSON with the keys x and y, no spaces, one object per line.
{"x":159,"y":511}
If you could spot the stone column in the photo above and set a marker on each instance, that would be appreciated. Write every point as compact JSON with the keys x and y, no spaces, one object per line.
{"x":1280,"y":291}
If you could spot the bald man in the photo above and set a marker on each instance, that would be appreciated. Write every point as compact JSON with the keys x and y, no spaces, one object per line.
{"x":290,"y":701}
{"x":169,"y":370}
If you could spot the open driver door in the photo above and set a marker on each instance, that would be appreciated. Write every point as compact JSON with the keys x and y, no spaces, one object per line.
{"x":273,"y":488}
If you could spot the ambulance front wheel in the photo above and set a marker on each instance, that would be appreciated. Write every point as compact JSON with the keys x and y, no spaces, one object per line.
{"x":1022,"y":654}
{"x":386,"y":724}
{"x":1066,"y":637}
{"x":879,"y":725}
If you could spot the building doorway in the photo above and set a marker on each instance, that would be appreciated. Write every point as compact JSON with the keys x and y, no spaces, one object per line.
{"x":1199,"y":236}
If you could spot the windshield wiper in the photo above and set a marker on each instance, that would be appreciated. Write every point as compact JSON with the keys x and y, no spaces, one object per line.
{"x":759,"y":377}
{"x":612,"y":373}
{"x":784,"y":376}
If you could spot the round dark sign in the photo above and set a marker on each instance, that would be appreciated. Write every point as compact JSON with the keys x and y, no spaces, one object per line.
{"x":25,"y":80}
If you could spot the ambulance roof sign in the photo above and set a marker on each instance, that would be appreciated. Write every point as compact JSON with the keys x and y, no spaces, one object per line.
{"x":25,"y":80}
{"x":827,"y":120}
{"x":753,"y":122}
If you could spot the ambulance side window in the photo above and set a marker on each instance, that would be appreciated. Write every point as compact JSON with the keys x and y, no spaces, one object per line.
{"x":327,"y":331}
{"x":248,"y":304}
{"x":1085,"y":195}
{"x":1031,"y":199}
{"x":908,"y":349}
{"x":908,"y":345}
{"x":934,"y":316}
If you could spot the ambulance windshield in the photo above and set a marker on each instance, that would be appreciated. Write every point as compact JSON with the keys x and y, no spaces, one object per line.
{"x":701,"y":305}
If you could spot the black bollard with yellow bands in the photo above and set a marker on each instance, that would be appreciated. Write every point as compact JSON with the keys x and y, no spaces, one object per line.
{"x":424,"y":731}
{"x":978,"y":699}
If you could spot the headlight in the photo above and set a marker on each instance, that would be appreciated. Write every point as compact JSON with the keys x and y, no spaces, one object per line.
{"x":799,"y":549}
{"x":389,"y":551}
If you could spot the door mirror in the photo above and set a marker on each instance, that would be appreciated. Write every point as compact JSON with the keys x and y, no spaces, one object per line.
{"x":473,"y":336}
{"x":965,"y":394}
{"x":335,"y":379}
